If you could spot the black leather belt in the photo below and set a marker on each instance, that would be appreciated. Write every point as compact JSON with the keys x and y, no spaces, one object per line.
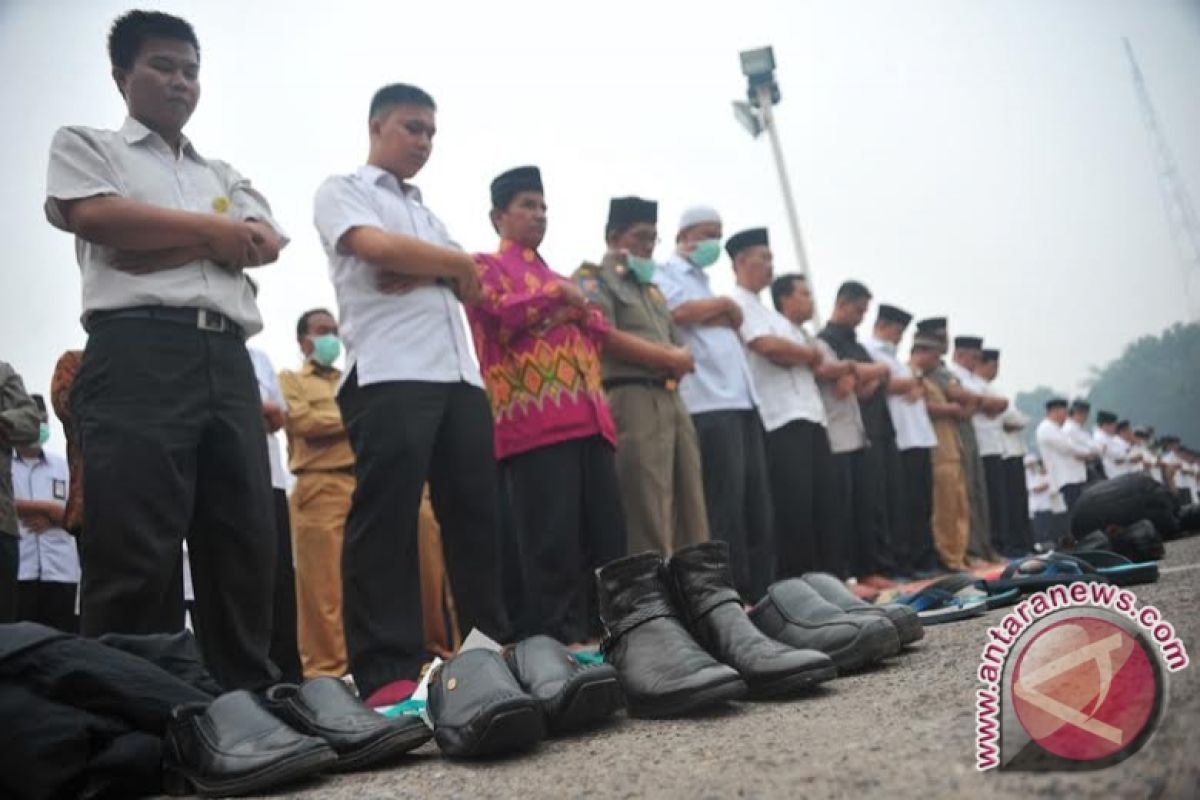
{"x":658,"y":383}
{"x":330,"y":471}
{"x":202,"y":318}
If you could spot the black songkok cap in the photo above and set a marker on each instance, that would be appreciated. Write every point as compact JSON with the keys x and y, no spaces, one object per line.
{"x":1056,"y":402}
{"x":745,"y":239}
{"x":968,"y":342}
{"x":931,"y":325}
{"x":509,"y":184}
{"x":893,"y":314}
{"x":1079,"y":404}
{"x":625,"y":212}
{"x":988,"y":355}
{"x":1105,"y":417}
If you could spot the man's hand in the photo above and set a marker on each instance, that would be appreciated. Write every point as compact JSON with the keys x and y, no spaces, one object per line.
{"x":236,"y":244}
{"x":559,"y":316}
{"x":38,"y":523}
{"x":465,"y":282}
{"x":145,"y":262}
{"x":731,"y":314}
{"x":391,"y":283}
{"x":916,"y":394}
{"x":845,"y":385}
{"x":572,"y":294}
{"x":273,"y":416}
{"x":680,"y":361}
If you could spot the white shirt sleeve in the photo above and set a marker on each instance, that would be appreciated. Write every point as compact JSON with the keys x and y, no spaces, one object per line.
{"x":248,"y":203}
{"x":755,"y":323}
{"x":340,"y":205}
{"x":78,"y":169}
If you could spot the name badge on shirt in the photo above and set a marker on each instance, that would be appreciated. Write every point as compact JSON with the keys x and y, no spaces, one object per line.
{"x":60,"y":489}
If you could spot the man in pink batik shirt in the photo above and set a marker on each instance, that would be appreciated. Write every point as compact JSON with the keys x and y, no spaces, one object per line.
{"x":539,"y":348}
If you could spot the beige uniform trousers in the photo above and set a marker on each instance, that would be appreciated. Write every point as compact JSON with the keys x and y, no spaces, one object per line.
{"x":658,"y":469}
{"x":319,"y":504}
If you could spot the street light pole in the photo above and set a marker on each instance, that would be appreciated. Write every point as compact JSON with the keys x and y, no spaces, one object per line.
{"x":765,"y":103}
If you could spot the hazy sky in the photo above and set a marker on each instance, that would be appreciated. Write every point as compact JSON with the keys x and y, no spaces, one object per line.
{"x":976,"y":158}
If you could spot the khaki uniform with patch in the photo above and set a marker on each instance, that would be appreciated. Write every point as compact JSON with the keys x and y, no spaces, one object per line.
{"x":658,"y":456}
{"x":950,"y":504}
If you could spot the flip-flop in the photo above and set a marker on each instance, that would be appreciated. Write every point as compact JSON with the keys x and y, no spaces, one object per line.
{"x":935,"y":606}
{"x":967,"y":587}
{"x":1119,"y":570}
{"x":1034,"y":573}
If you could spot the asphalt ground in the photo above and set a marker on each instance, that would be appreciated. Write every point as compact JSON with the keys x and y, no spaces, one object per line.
{"x":905,"y":729}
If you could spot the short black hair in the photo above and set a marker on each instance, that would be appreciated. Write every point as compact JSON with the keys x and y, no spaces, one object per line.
{"x":302,"y":323}
{"x":853,"y":291}
{"x":783,"y":286}
{"x":399,"y":94}
{"x":130,"y":31}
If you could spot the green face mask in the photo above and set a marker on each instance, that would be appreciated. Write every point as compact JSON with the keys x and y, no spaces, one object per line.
{"x":43,"y":433}
{"x":326,"y":349}
{"x":642,"y":268}
{"x":706,"y":253}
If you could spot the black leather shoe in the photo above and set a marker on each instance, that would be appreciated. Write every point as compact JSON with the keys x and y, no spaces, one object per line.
{"x":479,"y":709}
{"x":571,"y":695}
{"x":327,"y":709}
{"x":795,"y":614}
{"x":233,"y":746}
{"x":662,"y":669}
{"x":716,"y":618}
{"x":907,"y":623}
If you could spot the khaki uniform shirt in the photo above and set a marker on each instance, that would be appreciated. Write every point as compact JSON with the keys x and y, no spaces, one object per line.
{"x":19,"y":425}
{"x":629,"y":306}
{"x":317,"y":440}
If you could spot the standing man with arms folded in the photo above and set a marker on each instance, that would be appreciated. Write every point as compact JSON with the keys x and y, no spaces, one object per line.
{"x":20,"y":426}
{"x":1064,"y":456}
{"x":412,"y":398}
{"x":167,"y":406}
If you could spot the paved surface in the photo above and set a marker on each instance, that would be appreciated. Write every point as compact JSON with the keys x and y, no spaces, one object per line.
{"x":904,"y":730}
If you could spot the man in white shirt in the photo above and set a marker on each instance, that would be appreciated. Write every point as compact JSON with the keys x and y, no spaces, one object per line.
{"x":846,"y":436}
{"x":284,"y":650}
{"x":165,"y":392}
{"x":1075,"y":427}
{"x":1117,"y":452}
{"x":781,"y":361}
{"x":1102,"y":438}
{"x":1064,"y":457}
{"x":1171,"y":462}
{"x":1013,"y":424}
{"x":910,"y":479}
{"x":49,"y":573}
{"x":412,"y":398}
{"x":989,"y":432}
{"x":720,"y":397}
{"x":967,"y":350}
{"x":1041,"y":511}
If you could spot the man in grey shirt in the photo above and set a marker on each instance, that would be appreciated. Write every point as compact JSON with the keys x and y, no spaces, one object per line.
{"x":20,"y":423}
{"x":166,"y":400}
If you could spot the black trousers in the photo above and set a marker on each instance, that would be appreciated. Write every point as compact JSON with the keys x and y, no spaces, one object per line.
{"x":876,"y":472}
{"x":10,"y":563}
{"x":567,"y":515}
{"x":403,"y":434}
{"x":837,"y":550}
{"x":1019,"y":525}
{"x":803,"y":488}
{"x":285,"y":652}
{"x":1045,"y":528}
{"x":85,"y":718}
{"x":48,"y":603}
{"x":737,"y":495}
{"x":170,"y":423}
{"x":914,"y":543}
{"x":997,"y":493}
{"x":1070,"y":493}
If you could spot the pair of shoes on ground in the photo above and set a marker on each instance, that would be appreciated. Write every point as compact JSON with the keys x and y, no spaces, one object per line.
{"x":819,"y":612}
{"x":484,"y":703}
{"x":679,"y":637}
{"x":239,"y":744}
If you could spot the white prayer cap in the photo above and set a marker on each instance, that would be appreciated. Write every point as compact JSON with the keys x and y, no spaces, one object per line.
{"x":698,"y":215}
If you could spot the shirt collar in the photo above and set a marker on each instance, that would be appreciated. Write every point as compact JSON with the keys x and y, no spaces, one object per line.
{"x":381,"y":177}
{"x":310,"y":368}
{"x":749,"y":295}
{"x":41,"y":457}
{"x":134,"y":132}
{"x":507,"y":247}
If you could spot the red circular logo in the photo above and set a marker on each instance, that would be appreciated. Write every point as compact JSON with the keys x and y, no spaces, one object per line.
{"x":1085,"y":688}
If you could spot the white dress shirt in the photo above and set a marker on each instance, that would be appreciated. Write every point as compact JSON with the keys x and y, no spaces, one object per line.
{"x":1062,"y":455}
{"x":1038,"y":501}
{"x":50,"y":556}
{"x":989,"y":431}
{"x":1116,"y":457}
{"x":785,"y":394}
{"x":1014,"y":440}
{"x":1081,"y":437}
{"x":722,"y":377}
{"x":418,"y":336}
{"x":910,"y":418}
{"x":138,"y":164}
{"x":269,"y":391}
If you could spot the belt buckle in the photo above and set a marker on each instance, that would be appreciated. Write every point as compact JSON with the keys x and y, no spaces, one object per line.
{"x":210,"y":321}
